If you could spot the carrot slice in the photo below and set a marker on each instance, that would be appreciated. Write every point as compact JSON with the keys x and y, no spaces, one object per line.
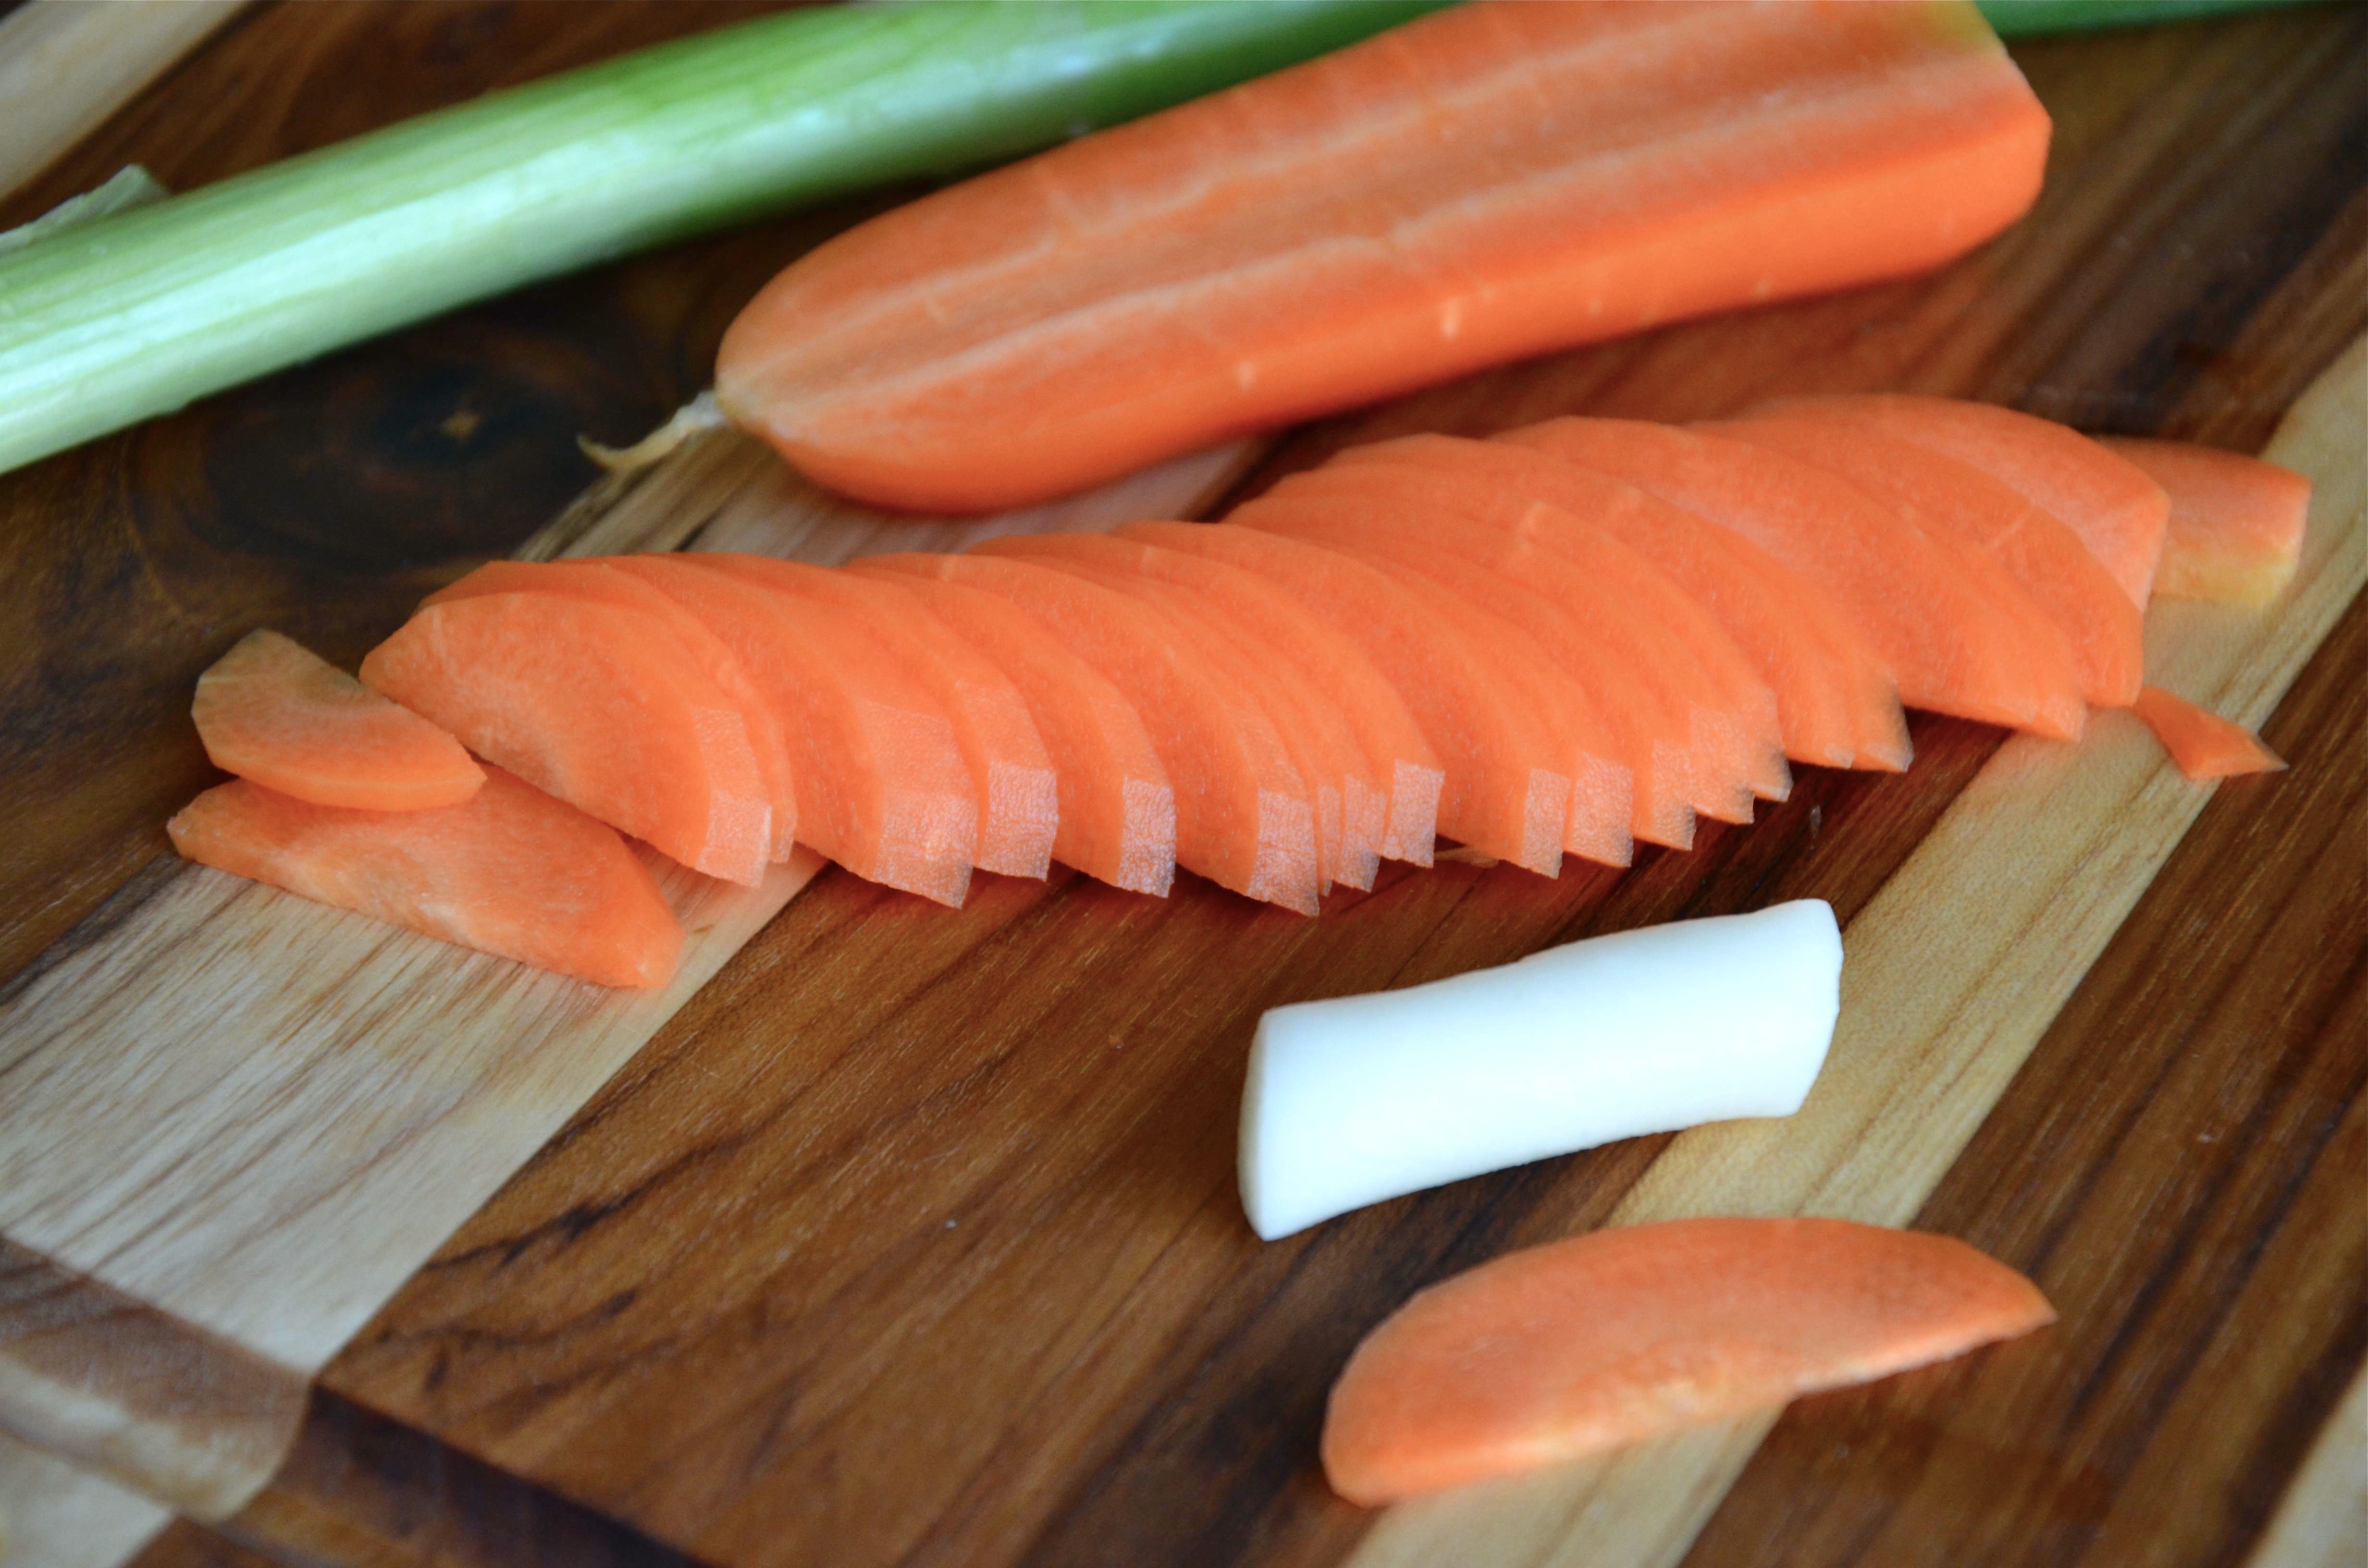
{"x":1836,"y":703}
{"x":1644,"y":719}
{"x":1351,"y":808}
{"x":1116,"y":808}
{"x":509,"y":872}
{"x":2202,"y":744}
{"x":2118,"y":512}
{"x":1018,"y":798}
{"x":2070,"y":586}
{"x":2235,"y":522}
{"x":1477,"y":185}
{"x":1505,"y":792}
{"x":1957,"y":634}
{"x":598,"y":704}
{"x":1392,"y":742}
{"x":596,"y":579}
{"x":1244,"y":818}
{"x":888,"y":795}
{"x":1560,"y":1351}
{"x":274,"y":711}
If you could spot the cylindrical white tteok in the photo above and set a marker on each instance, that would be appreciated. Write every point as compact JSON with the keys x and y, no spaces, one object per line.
{"x":1362,"y":1098}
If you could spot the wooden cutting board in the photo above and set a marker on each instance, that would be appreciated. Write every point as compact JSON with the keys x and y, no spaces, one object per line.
{"x":910,"y":1236}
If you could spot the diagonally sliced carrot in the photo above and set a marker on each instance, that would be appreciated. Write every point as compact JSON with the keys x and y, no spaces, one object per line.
{"x":2235,"y":522}
{"x":1478,"y":186}
{"x":2202,"y":744}
{"x":509,"y":872}
{"x":1568,"y":1349}
{"x":272,"y":711}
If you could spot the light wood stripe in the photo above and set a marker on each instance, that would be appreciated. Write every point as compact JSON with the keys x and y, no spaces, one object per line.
{"x":1952,"y":975}
{"x":65,"y":65}
{"x":2322,"y":1521}
{"x":54,"y":1514}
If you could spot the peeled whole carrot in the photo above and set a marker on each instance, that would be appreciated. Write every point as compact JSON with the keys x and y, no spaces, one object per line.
{"x":509,"y":872}
{"x":2202,"y":744}
{"x":271,"y":710}
{"x":1560,"y":1351}
{"x":2237,"y":523}
{"x":1486,"y":182}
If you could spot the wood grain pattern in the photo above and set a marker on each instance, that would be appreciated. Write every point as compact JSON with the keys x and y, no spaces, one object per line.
{"x":65,"y":67}
{"x":1057,"y":1377}
{"x":2323,"y":1521}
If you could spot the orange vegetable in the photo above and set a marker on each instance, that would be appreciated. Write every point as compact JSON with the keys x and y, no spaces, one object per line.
{"x":598,"y":704}
{"x":1836,"y":703}
{"x":885,"y":791}
{"x":1957,"y":633}
{"x":1117,"y":809}
{"x":2070,"y":586}
{"x":272,"y":711}
{"x":2235,"y":522}
{"x":1019,"y":800}
{"x":1486,"y":182}
{"x":2203,"y":744}
{"x":1351,"y":808}
{"x":509,"y":872}
{"x":1393,"y":744}
{"x":1480,"y":701}
{"x":598,"y":580}
{"x":2116,"y":510}
{"x":1571,"y":1348}
{"x":1244,"y":817}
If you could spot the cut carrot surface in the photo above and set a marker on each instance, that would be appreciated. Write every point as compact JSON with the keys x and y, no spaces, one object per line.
{"x":1010,"y":771}
{"x":2115,"y":509}
{"x":1505,"y":791}
{"x":1836,"y":703}
{"x":1243,"y":816}
{"x":596,"y":579}
{"x":2046,"y":559}
{"x":1579,"y":1347}
{"x":509,"y":872}
{"x":598,"y":704}
{"x":887,"y":793}
{"x":1959,"y":636}
{"x":275,"y":713}
{"x":1117,"y":810}
{"x":2202,"y":744}
{"x":1351,"y":804}
{"x":1636,"y":713}
{"x":1486,"y":182}
{"x":1396,"y":752}
{"x":2235,"y":522}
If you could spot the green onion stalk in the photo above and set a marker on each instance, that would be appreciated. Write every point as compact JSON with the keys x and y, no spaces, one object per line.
{"x":109,"y":322}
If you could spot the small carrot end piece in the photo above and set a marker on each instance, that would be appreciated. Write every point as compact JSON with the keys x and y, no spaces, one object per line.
{"x":2203,"y":744}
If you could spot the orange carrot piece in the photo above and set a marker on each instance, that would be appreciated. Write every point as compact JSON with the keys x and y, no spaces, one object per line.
{"x":1480,"y":705}
{"x":1572,"y":1348}
{"x":1643,"y":716}
{"x":2202,"y":744}
{"x":598,"y":704}
{"x":1836,"y":703}
{"x":887,"y":793}
{"x":1395,"y":750}
{"x":1244,"y":817}
{"x":1484,"y":184}
{"x":1351,"y":808}
{"x":2115,"y":509}
{"x":2046,"y":559}
{"x":596,"y":579}
{"x":1117,"y":808}
{"x":2235,"y":522}
{"x":1956,"y":632}
{"x":1018,"y":801}
{"x":509,"y":872}
{"x":271,"y":710}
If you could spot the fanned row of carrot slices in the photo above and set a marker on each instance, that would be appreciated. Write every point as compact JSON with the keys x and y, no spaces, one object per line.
{"x":1559,"y":642}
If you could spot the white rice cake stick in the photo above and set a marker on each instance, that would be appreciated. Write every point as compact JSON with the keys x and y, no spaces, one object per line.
{"x":1362,"y":1098}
